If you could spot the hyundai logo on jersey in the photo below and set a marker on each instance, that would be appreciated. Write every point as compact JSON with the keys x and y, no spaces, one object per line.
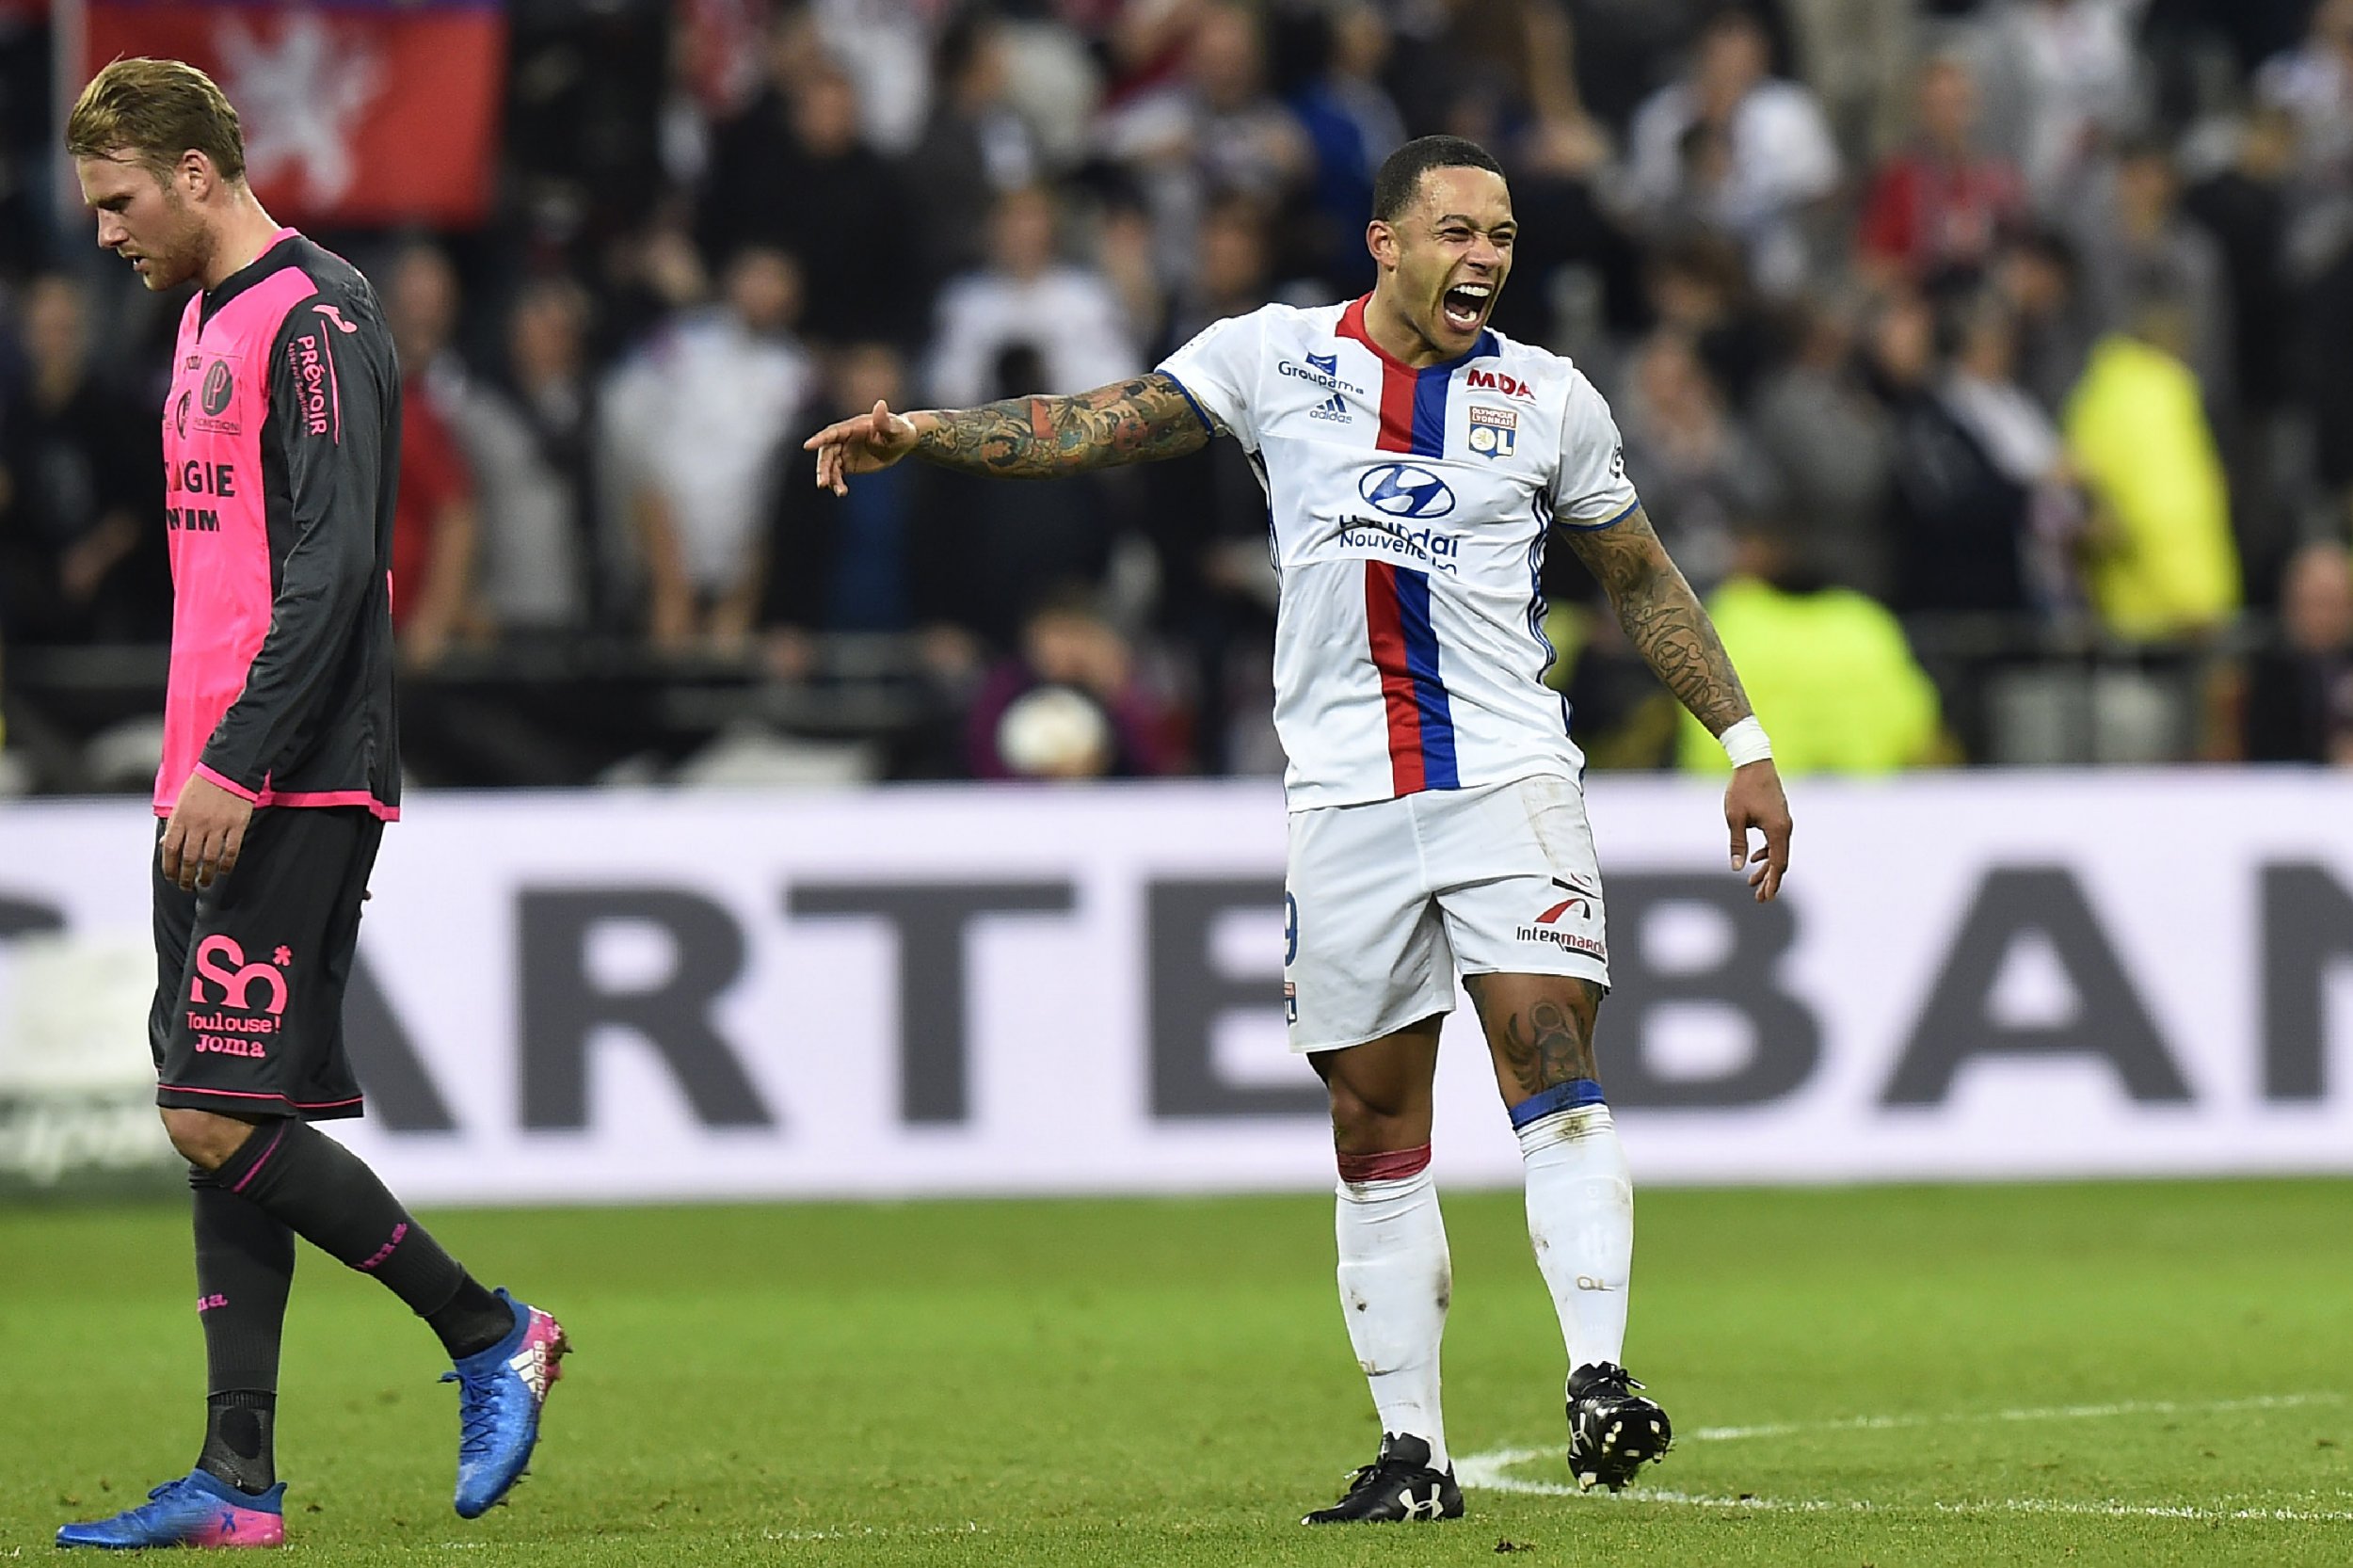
{"x":1404,"y":490}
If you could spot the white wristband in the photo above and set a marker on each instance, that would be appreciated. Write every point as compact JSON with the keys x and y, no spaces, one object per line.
{"x":1745,"y":742}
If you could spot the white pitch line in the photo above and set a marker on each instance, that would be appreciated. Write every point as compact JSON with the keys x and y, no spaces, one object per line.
{"x":2043,"y":1413}
{"x":1491,"y":1471}
{"x":1473,"y":1472}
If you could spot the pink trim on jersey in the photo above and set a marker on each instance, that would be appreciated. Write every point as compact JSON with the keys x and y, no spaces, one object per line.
{"x":248,"y":1094}
{"x":1397,"y":381}
{"x":304,"y":799}
{"x":333,"y":797}
{"x":334,"y":389}
{"x":229,"y":784}
{"x":1385,"y":619}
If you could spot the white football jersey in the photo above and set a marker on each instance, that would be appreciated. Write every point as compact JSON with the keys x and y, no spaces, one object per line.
{"x":1410,"y":510}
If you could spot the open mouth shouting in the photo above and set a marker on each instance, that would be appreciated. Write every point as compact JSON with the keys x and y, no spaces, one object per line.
{"x":1465,"y":306}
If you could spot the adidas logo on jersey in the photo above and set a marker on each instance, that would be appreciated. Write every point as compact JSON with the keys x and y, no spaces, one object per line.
{"x":1324,"y":371}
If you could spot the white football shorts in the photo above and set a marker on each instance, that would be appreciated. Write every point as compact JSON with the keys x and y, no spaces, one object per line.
{"x":1389,"y":902}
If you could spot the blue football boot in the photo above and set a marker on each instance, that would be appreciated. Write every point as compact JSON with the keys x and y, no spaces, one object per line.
{"x":500,"y":1391}
{"x":198,"y":1510}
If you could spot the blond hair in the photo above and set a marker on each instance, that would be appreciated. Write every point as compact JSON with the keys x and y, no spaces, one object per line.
{"x":156,"y":110}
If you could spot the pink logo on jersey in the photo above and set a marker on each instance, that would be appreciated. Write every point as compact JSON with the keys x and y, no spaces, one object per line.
{"x":336,"y":316}
{"x":237,"y":985}
{"x":306,"y":359}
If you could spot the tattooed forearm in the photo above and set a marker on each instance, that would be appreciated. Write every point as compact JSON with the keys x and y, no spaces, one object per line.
{"x":1140,"y":420}
{"x":1663,"y":619}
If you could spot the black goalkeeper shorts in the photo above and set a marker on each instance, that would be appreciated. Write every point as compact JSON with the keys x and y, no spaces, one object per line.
{"x":249,"y":972}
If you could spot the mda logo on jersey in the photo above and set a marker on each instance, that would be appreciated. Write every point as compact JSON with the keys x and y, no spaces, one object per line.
{"x":1405,"y":490}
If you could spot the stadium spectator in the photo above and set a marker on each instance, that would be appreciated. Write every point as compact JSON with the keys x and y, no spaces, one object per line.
{"x":2246,"y":207}
{"x":2313,"y":82}
{"x":1206,"y":516}
{"x":891,"y":560}
{"x":1069,"y":705}
{"x":1980,"y":390}
{"x":435,"y":525}
{"x":1828,"y":667}
{"x":2325,"y":372}
{"x":883,"y":46}
{"x":1942,"y":203}
{"x":2134,"y":236}
{"x":791,"y":173}
{"x":1701,"y":468}
{"x":1857,"y":56}
{"x":2299,"y":696}
{"x":2162,"y":567}
{"x":1210,"y":128}
{"x":975,"y":150}
{"x":1778,"y":160}
{"x":2037,"y":274}
{"x":1697,"y":287}
{"x":1960,"y":521}
{"x":1351,"y":124}
{"x":81,"y":546}
{"x":529,"y":437}
{"x":1029,"y":297}
{"x":2060,"y":80}
{"x":694,"y":423}
{"x":1834,"y":443}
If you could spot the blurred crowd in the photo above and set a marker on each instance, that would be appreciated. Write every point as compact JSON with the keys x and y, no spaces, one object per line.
{"x":1988,"y":366}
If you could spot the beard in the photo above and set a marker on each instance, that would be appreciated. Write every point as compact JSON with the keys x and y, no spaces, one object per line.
{"x":178,"y":254}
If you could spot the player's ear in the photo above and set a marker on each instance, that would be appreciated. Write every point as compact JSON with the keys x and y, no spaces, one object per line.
{"x":1380,"y":239}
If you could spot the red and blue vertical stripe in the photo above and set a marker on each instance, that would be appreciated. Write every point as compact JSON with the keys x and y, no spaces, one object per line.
{"x":1406,"y":651}
{"x":1397,"y":598}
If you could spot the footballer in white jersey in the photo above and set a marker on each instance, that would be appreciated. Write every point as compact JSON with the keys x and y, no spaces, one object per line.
{"x":1410,"y":510}
{"x":1416,"y":466}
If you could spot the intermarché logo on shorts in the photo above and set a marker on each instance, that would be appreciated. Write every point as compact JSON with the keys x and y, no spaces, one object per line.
{"x":1439,"y":551}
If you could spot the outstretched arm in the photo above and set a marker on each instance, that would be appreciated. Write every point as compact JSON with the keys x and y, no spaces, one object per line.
{"x":1137,"y":421}
{"x":1669,"y":627}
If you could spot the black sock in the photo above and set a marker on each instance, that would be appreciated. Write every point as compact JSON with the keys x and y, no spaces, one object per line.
{"x":244,"y":1263}
{"x":238,"y":1440}
{"x":327,"y":1195}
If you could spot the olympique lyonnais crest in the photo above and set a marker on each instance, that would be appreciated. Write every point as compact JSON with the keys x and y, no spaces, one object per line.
{"x":359,"y":112}
{"x":1493,"y":431}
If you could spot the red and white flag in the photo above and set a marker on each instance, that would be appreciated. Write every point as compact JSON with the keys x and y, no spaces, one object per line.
{"x":355,"y":112}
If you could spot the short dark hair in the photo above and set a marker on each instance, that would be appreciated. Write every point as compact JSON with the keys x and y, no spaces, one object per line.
{"x":1399,"y":179}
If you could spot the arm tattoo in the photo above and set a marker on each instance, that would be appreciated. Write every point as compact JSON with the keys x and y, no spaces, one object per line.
{"x":1663,"y":618}
{"x":1138,"y":421}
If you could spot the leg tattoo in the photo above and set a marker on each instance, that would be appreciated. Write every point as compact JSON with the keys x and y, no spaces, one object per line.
{"x":1547,"y":1041}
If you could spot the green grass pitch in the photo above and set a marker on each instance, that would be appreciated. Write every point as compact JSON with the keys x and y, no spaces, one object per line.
{"x":2128,"y":1373}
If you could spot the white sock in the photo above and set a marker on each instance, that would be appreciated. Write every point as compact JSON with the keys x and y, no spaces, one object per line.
{"x":1396,"y":1281}
{"x":1580,"y":1218}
